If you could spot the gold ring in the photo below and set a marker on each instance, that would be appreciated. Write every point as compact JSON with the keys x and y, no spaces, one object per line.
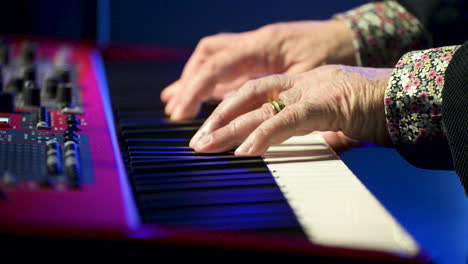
{"x":278,"y":105}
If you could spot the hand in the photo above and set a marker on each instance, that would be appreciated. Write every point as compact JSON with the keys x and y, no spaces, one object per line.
{"x":345,"y":103}
{"x":222,"y":63}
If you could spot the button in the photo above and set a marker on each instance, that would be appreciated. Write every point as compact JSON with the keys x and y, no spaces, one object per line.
{"x":70,"y":135}
{"x":31,"y":94}
{"x":50,"y":89}
{"x":72,"y":119}
{"x":73,"y":127}
{"x":43,"y":119}
{"x":64,"y":94}
{"x":7,"y":102}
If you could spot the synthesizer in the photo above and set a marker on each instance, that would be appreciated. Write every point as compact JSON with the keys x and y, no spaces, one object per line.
{"x":74,"y":165}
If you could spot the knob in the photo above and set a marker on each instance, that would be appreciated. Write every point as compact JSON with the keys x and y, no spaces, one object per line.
{"x":4,"y":54}
{"x":28,"y":52}
{"x":31,"y":94}
{"x":43,"y":119}
{"x":52,"y":145}
{"x":1,"y":78}
{"x":15,"y":85}
{"x":29,"y":73}
{"x":7,"y":102}
{"x":50,"y":89}
{"x":72,"y":119}
{"x":73,"y":171}
{"x":64,"y":94}
{"x":64,"y":75}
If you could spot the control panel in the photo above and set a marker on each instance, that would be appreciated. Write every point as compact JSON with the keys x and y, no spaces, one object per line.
{"x":43,"y":139}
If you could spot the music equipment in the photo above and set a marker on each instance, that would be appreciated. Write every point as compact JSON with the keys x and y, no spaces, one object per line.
{"x":74,"y":167}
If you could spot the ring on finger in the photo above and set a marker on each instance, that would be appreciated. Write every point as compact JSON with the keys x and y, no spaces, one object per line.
{"x":278,"y":105}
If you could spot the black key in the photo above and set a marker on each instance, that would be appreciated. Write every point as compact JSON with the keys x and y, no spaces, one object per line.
{"x":168,"y":187}
{"x":200,"y":173}
{"x":183,"y":132}
{"x":152,"y":123}
{"x":217,"y":211}
{"x":210,"y":197}
{"x":242,"y":222}
{"x":200,"y":178}
{"x":139,"y":161}
{"x":176,"y":153}
{"x":148,"y":198}
{"x":155,"y":142}
{"x":215,"y":165}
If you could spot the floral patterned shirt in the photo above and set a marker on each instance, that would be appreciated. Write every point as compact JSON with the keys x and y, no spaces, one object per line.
{"x":384,"y":31}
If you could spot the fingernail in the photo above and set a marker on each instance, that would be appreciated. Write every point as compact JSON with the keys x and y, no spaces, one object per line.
{"x":243,"y":149}
{"x":203,"y":142}
{"x":196,"y":137}
{"x":176,"y":114}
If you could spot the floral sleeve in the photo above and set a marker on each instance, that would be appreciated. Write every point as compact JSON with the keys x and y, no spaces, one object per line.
{"x":413,"y":104}
{"x":383,"y":32}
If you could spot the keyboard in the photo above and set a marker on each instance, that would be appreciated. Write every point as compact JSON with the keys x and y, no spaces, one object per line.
{"x":77,"y":164}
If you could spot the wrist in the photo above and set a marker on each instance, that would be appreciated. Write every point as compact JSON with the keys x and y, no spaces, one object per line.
{"x":341,"y":49}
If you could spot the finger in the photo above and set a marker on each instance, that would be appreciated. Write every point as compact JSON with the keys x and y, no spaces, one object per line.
{"x":170,"y":107}
{"x":169,"y":91}
{"x":235,"y":132}
{"x":250,"y":96}
{"x":202,"y":85}
{"x":206,"y":47}
{"x":287,"y":123}
{"x":339,"y":142}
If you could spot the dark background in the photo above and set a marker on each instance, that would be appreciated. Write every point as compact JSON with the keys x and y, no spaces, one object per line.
{"x":430,"y":204}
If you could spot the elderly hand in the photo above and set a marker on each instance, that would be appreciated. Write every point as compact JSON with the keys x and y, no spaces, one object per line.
{"x":344,"y":102}
{"x":222,"y":63}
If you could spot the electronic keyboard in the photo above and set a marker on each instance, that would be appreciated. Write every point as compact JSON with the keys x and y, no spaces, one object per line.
{"x":75,"y":164}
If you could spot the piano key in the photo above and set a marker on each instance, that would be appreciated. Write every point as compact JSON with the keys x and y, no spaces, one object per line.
{"x":201,"y":178}
{"x":200,"y":165}
{"x":211,"y":197}
{"x":132,"y":148}
{"x":176,"y":153}
{"x":152,"y":123}
{"x":138,"y":161}
{"x":207,"y":194}
{"x":179,"y":132}
{"x":155,"y":142}
{"x":219,"y":211}
{"x":242,"y":222}
{"x":208,"y":184}
{"x":200,"y":173}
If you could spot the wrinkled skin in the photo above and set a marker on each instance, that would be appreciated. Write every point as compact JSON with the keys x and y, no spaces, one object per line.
{"x":344,"y":102}
{"x":222,"y":63}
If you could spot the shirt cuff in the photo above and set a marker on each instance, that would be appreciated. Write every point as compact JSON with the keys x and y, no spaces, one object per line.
{"x":413,"y":107}
{"x":383,"y":32}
